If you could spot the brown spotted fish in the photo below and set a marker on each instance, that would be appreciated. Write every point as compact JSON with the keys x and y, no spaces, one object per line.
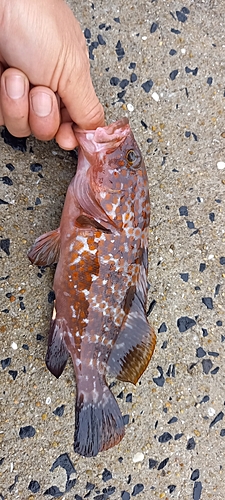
{"x":100,"y":283}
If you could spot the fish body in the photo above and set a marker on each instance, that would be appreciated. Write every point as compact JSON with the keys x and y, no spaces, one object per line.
{"x":100,"y":283}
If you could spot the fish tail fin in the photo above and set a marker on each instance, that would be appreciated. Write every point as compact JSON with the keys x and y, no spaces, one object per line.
{"x":98,"y":420}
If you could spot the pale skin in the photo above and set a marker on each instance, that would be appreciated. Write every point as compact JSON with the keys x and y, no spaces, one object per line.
{"x":45,"y":84}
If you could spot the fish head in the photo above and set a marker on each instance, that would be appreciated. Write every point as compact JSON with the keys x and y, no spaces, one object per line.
{"x":114,"y":170}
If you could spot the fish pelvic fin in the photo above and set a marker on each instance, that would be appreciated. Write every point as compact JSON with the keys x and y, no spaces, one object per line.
{"x":57,"y":353}
{"x":45,"y":250}
{"x":98,"y":420}
{"x":134,"y":345}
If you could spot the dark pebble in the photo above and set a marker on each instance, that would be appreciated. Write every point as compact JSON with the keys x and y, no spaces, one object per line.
{"x":181,"y":16}
{"x":17,"y":143}
{"x":35,"y":167}
{"x":51,"y":296}
{"x":172,"y":52}
{"x":27,"y":432}
{"x":124,"y":83}
{"x":129,"y":398}
{"x":125,"y":495}
{"x":101,"y":26}
{"x":5,"y":363}
{"x":89,"y":486}
{"x":101,"y":40}
{"x":34,"y":486}
{"x":108,"y":28}
{"x":6,"y":311}
{"x":195,"y":136}
{"x":191,"y":444}
{"x":172,"y":420}
{"x":154,"y":27}
{"x":6,"y":180}
{"x":144,"y":124}
{"x":151,"y":307}
{"x":149,"y":140}
{"x":126,"y":419}
{"x":208,"y":302}
{"x":4,"y":245}
{"x":204,"y":332}
{"x":3,"y":202}
{"x":162,"y":328}
{"x":184,"y":323}
{"x":215,"y":371}
{"x":185,"y":10}
{"x":147,"y":85}
{"x":204,"y":399}
{"x":30,"y":208}
{"x":173,"y":74}
{"x":13,"y":374}
{"x":163,"y":463}
{"x":120,"y":95}
{"x":109,"y":491}
{"x":152,"y":463}
{"x":197,"y":490}
{"x":10,"y":167}
{"x":54,"y":492}
{"x":200,"y":353}
{"x":25,"y":347}
{"x":137,"y":489}
{"x":207,"y":365}
{"x":166,"y":436}
{"x":178,"y":436}
{"x":176,"y":32}
{"x":22,"y":306}
{"x":133,"y":77}
{"x":171,"y":371}
{"x":159,"y":380}
{"x":39,"y":336}
{"x":222,"y":432}
{"x":106,"y":475}
{"x":87,"y":33}
{"x":190,"y":224}
{"x":217,"y":289}
{"x":59,"y":411}
{"x":171,"y":488}
{"x":195,"y":475}
{"x":202,"y":267}
{"x":222,"y":261}
{"x":197,"y":288}
{"x":78,"y":497}
{"x":214,"y":354}
{"x":193,"y":71}
{"x":129,"y":479}
{"x":184,"y":276}
{"x":217,"y":419}
{"x":183,"y":210}
{"x":212,"y":216}
{"x":64,"y":462}
{"x":114,"y":81}
{"x":116,"y":19}
{"x":119,"y":51}
{"x":12,"y":486}
{"x":187,"y":133}
{"x":164,"y":344}
{"x":209,"y":80}
{"x":37,"y":201}
{"x":120,"y":460}
{"x":219,"y":323}
{"x":120,"y":395}
{"x":132,"y":65}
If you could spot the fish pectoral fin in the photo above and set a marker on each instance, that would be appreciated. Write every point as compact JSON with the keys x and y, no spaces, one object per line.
{"x":87,"y":221}
{"x":134,"y":345}
{"x":45,"y":250}
{"x":57,"y":353}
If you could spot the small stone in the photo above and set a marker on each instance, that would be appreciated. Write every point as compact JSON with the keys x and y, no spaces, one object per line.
{"x":147,"y":86}
{"x":195,"y":475}
{"x":27,"y":432}
{"x":48,"y":401}
{"x":173,"y":74}
{"x":153,"y":27}
{"x":14,"y":346}
{"x":138,"y":457}
{"x":191,"y":444}
{"x":208,"y":302}
{"x":155,"y":96}
{"x":130,"y":107}
{"x":137,"y":489}
{"x":207,"y":365}
{"x":5,"y":363}
{"x":184,"y":323}
{"x":221,"y":165}
{"x":35,"y":167}
{"x":34,"y":486}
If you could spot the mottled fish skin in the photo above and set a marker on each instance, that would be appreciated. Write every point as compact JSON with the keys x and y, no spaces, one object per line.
{"x":101,"y":280}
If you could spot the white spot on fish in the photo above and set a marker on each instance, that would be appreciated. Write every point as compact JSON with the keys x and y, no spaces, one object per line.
{"x":86,"y":292}
{"x":75,"y":261}
{"x":73,"y":312}
{"x":78,"y":362}
{"x":54,"y":313}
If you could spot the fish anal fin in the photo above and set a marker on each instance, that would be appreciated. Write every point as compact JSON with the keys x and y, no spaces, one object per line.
{"x":57,"y":353}
{"x":85,"y":221}
{"x":134,"y":346}
{"x":45,"y":250}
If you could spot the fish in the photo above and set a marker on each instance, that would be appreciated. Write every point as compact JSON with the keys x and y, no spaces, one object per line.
{"x":100,"y":283}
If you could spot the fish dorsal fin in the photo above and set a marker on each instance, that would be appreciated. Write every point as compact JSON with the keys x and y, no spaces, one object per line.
{"x":85,"y":221}
{"x":135,"y":343}
{"x":45,"y":250}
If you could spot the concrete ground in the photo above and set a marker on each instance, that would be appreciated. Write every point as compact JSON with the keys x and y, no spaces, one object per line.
{"x":161,"y":63}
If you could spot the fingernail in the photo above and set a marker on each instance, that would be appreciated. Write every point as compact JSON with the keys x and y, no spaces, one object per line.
{"x":41,"y":104}
{"x":15,"y":86}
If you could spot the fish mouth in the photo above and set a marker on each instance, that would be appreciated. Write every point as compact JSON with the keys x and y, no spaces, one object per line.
{"x":112,"y":135}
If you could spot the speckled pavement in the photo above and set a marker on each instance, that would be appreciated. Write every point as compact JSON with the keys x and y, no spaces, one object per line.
{"x":160,"y":63}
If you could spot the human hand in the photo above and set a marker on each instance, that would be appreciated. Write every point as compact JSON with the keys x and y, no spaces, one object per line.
{"x":45,"y":76}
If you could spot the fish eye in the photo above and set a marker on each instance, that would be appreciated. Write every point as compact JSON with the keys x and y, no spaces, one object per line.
{"x":133,"y":158}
